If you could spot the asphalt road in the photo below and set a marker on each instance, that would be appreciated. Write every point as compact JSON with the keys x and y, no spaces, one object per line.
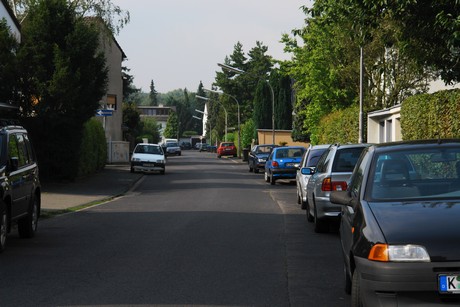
{"x":208,"y":233}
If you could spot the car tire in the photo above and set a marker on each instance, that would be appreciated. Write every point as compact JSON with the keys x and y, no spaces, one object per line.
{"x":267,"y":179}
{"x":219,"y":156}
{"x":272,"y":180}
{"x":256,"y":170}
{"x":132,"y":169}
{"x":356,"y":300}
{"x":347,"y":280}
{"x":163,"y":172}
{"x":321,"y":226}
{"x":28,"y":225}
{"x":3,"y":226}
{"x":250,"y":167}
{"x":310,"y":217}
{"x":299,"y":199}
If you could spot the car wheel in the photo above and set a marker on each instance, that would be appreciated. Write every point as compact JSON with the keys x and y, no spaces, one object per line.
{"x":219,"y":156}
{"x":132,"y":169}
{"x":27,"y":226}
{"x":272,"y":180}
{"x":321,"y":226}
{"x":299,"y":199}
{"x":3,"y":226}
{"x":356,"y":300}
{"x":163,"y":172}
{"x":250,"y":167}
{"x":256,"y":170}
{"x":307,"y":209}
{"x":267,"y":179}
{"x":347,"y":279}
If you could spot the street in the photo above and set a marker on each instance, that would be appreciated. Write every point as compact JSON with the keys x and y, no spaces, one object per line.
{"x":206,"y":233}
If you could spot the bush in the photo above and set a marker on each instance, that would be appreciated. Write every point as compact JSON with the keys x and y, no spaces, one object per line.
{"x":431,"y":116}
{"x":340,"y":126}
{"x":93,"y":149}
{"x":248,"y":132}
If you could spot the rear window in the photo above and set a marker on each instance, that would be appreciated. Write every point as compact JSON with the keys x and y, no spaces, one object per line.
{"x":314,"y":156}
{"x":290,"y":153}
{"x":345,"y":159}
{"x":226,"y":144}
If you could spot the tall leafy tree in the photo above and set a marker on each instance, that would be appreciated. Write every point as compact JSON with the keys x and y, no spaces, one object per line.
{"x":63,"y":77}
{"x":8,"y":66}
{"x":262,"y":115}
{"x":129,"y":90}
{"x":172,"y":126}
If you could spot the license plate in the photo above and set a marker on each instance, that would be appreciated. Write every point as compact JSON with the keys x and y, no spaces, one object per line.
{"x":148,"y":164}
{"x":449,"y":283}
{"x":290,"y":164}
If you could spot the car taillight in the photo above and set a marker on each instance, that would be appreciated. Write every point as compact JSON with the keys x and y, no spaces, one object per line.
{"x":329,"y":185}
{"x":275,"y":164}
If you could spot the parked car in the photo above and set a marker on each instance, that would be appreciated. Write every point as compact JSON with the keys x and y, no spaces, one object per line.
{"x":332,"y":172}
{"x":19,"y":183}
{"x":309,"y":159}
{"x":185,"y":146}
{"x":258,"y":156}
{"x":148,"y":158}
{"x":398,"y":230}
{"x":226,"y":149}
{"x":172,"y":148}
{"x":202,"y":146}
{"x":283,"y":163}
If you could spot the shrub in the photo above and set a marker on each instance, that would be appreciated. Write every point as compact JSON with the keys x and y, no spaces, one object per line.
{"x":93,"y":149}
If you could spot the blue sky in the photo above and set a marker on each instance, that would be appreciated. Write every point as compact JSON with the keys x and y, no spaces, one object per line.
{"x":178,"y":43}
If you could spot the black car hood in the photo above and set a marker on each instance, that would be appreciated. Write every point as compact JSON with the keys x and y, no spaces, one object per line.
{"x":434,"y":225}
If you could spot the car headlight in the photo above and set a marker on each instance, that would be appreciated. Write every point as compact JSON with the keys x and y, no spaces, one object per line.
{"x":135,"y":159}
{"x":399,"y":253}
{"x":160,"y":161}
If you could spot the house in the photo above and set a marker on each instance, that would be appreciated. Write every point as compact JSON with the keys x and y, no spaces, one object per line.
{"x":265,"y":136}
{"x":15,"y":28}
{"x":385,"y":125}
{"x":159,"y":113}
{"x":111,"y":105}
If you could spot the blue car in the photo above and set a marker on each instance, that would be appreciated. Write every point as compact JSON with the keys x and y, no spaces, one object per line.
{"x":283,"y":163}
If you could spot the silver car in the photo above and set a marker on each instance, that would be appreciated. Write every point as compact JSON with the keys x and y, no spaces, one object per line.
{"x":309,"y":159}
{"x":332,"y":173}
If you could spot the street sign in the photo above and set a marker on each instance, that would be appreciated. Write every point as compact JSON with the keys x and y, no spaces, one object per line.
{"x":104,"y":112}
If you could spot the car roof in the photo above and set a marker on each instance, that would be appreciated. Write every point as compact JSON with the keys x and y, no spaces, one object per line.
{"x":148,"y":144}
{"x":395,"y":146}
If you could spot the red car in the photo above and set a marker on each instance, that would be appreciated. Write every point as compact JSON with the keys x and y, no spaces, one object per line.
{"x":226,"y":149}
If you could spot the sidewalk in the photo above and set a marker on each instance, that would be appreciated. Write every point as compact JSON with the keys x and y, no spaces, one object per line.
{"x":113,"y":180}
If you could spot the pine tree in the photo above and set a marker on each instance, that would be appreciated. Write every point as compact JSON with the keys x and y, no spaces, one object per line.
{"x":153,"y":95}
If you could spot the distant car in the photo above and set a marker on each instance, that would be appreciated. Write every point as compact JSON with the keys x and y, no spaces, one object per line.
{"x":309,"y":159}
{"x":186,"y":145}
{"x":172,"y":148}
{"x":258,"y":156}
{"x":226,"y":149}
{"x":399,"y":223}
{"x":203,"y":146}
{"x":283,"y":163}
{"x":148,"y":158}
{"x":332,"y":172}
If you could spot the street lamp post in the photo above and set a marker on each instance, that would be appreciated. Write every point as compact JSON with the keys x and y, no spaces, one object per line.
{"x":239,"y":71}
{"x":226,"y":114}
{"x":239,"y":123}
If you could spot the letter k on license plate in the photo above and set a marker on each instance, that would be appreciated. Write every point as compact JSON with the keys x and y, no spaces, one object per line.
{"x":449,"y":283}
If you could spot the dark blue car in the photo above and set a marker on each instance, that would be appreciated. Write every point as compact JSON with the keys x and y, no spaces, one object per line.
{"x":283,"y":163}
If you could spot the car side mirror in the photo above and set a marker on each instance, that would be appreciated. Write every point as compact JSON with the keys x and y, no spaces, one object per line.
{"x":307,"y":171}
{"x":341,"y":198}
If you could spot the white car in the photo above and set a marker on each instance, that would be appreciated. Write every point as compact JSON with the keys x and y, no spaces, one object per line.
{"x":148,"y":158}
{"x":309,"y":159}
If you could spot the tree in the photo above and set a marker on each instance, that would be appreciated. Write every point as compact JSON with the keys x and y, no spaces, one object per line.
{"x":8,"y":68}
{"x":129,"y":90}
{"x":172,"y":125}
{"x":113,"y":16}
{"x":63,"y":77}
{"x":153,"y":95}
{"x":262,"y":115}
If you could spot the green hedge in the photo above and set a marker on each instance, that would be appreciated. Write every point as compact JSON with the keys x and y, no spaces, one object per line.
{"x":339,"y":126}
{"x":93,"y":149}
{"x":431,"y":116}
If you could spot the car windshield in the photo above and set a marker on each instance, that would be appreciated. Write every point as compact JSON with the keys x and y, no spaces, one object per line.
{"x":148,"y":149}
{"x":429,"y":173}
{"x":171,"y":144}
{"x":264,"y":149}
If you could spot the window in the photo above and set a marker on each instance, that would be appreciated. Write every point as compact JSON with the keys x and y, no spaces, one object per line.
{"x":17,"y":148}
{"x":111,"y":101}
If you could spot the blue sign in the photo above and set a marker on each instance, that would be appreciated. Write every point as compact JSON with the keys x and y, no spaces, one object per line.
{"x":104,"y":112}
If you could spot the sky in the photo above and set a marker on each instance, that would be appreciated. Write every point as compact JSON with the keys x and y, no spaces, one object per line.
{"x":178,"y":43}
